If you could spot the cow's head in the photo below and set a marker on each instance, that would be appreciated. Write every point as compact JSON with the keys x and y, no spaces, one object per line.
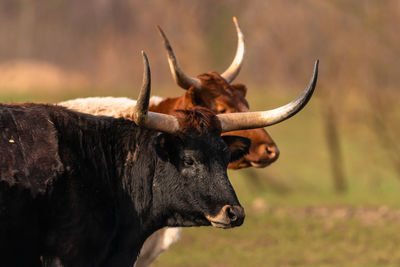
{"x":195,"y":189}
{"x":222,"y":98}
{"x":198,"y":156}
{"x":216,"y":92}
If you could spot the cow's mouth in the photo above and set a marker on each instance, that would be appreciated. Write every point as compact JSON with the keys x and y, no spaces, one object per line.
{"x":260,"y":164}
{"x":219,"y":222}
{"x":222,"y":225}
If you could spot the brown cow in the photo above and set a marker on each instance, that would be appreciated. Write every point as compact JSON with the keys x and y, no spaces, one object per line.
{"x":216,"y":92}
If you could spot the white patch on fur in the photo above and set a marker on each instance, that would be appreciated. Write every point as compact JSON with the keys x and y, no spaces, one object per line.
{"x":156,"y":244}
{"x":106,"y":106}
{"x":171,"y":235}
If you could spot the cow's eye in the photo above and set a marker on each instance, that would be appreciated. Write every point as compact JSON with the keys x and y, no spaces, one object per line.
{"x":188,"y":161}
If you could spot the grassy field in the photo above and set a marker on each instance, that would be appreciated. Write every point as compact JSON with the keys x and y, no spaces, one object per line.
{"x":303,"y":236}
{"x":294,"y":216}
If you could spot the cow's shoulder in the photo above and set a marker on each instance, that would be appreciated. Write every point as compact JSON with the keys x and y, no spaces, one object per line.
{"x":28,"y":147}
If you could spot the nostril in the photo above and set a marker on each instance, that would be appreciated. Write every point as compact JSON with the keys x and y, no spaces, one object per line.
{"x":231,"y":212}
{"x":273,"y":152}
{"x":270,"y":150}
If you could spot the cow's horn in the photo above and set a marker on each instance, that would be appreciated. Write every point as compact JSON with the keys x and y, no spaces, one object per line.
{"x":230,"y":74}
{"x":151,"y":120}
{"x":180,"y":77}
{"x":251,"y":120}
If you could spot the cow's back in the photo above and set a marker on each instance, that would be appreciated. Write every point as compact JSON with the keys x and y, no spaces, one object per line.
{"x":28,"y":147}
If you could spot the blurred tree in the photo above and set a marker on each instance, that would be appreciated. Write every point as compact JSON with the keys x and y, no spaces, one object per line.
{"x":334,"y":147}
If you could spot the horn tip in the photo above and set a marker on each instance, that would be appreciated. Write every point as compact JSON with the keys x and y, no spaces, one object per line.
{"x":316,"y":65}
{"x":238,"y":30}
{"x":160,"y":31}
{"x":144,"y":55}
{"x":164,"y":37}
{"x":235,"y":21}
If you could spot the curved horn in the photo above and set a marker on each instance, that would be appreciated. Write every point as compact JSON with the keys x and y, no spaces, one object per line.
{"x":251,"y":120}
{"x":230,"y":74}
{"x":180,"y":77}
{"x":151,"y":120}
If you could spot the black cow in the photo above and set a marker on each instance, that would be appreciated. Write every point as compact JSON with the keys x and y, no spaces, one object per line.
{"x":89,"y":190}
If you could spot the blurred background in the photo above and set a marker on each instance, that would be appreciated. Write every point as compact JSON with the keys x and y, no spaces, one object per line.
{"x":332,"y":198}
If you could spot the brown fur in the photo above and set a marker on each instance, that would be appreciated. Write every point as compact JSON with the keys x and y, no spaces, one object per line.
{"x":198,"y":119}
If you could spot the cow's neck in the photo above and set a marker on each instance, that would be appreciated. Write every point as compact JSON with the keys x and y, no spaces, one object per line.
{"x":139,"y":217}
{"x":119,"y":166}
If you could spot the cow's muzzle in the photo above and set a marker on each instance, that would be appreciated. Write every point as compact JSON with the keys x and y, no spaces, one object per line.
{"x":229,"y":216}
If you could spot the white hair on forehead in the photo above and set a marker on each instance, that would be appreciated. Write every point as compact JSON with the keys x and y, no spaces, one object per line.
{"x":106,"y":106}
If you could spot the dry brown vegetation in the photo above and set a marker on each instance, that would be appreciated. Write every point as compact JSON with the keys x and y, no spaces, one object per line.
{"x":357,"y":41}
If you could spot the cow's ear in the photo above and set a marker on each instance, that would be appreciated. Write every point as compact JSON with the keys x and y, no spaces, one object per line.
{"x":165,"y":146}
{"x":193,"y":98}
{"x":190,"y":97}
{"x":241,"y":88}
{"x":239,"y":146}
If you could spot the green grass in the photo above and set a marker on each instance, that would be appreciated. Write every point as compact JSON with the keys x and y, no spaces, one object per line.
{"x":274,"y":234}
{"x":286,"y":238}
{"x":284,"y":226}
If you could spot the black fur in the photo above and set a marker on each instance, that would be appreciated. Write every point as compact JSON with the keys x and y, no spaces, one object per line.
{"x":89,"y":190}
